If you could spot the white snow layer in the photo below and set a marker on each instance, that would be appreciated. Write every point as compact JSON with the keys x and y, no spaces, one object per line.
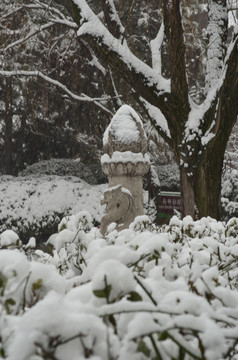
{"x":123,"y":126}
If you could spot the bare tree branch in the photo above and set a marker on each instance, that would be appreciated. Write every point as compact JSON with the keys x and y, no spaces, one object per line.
{"x":32,"y":33}
{"x":59,"y":85}
{"x":28,"y":36}
{"x":34,"y":6}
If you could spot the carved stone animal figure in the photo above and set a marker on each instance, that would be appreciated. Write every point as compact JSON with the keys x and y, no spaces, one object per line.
{"x":119,"y":208}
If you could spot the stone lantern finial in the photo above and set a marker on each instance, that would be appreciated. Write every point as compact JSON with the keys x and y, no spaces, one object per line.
{"x":125,"y":162}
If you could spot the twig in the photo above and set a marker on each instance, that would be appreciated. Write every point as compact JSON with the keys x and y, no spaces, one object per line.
{"x":58,"y":84}
{"x":145,"y":290}
{"x":155,"y":347}
{"x":24,"y":292}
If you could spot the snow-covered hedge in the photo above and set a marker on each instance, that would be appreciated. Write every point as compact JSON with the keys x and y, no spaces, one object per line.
{"x":144,"y":293}
{"x":90,"y":173}
{"x":230,"y":194}
{"x":34,"y":205}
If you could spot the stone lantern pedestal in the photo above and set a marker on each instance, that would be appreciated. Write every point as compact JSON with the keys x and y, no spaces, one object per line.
{"x":125,"y":162}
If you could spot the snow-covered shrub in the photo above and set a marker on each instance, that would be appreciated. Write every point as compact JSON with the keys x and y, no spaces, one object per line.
{"x":70,"y":242}
{"x":169,"y":177}
{"x":232,"y":227}
{"x":143,"y":293}
{"x":230,"y":194}
{"x":194,"y":229}
{"x":92,"y":174}
{"x":34,"y":206}
{"x":142,"y":223}
{"x":81,"y":221}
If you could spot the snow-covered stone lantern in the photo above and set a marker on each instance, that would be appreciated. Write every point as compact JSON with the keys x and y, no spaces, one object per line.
{"x":125,"y":161}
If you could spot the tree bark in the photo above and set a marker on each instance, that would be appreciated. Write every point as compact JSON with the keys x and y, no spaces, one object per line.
{"x":8,"y":127}
{"x":187,"y":194}
{"x":201,"y":193}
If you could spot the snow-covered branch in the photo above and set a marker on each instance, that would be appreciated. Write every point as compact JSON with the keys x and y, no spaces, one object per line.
{"x":112,"y":19}
{"x":5,"y":30}
{"x":158,"y":119}
{"x":65,"y":22}
{"x":34,"y":6}
{"x":115,"y":53}
{"x":155,"y":46}
{"x":217,"y":32}
{"x":94,"y":27}
{"x":208,"y":113}
{"x":58,"y":84}
{"x":118,"y":101}
{"x":36,"y":31}
{"x":28,"y":36}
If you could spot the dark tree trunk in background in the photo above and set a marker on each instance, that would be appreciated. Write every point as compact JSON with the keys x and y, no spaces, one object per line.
{"x":8,"y":127}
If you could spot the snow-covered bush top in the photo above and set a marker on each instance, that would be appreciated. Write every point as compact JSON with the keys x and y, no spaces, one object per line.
{"x":144,"y":293}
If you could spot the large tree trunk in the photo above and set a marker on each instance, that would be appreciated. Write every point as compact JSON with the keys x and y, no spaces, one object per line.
{"x":208,"y":184}
{"x":187,"y":193}
{"x":201,"y":193}
{"x":202,"y":196}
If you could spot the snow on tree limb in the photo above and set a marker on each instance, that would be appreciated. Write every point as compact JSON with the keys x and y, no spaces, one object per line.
{"x":112,"y":19}
{"x":29,"y":35}
{"x":227,"y":84}
{"x":155,"y":46}
{"x":217,"y":33}
{"x":159,"y":121}
{"x":34,"y":6}
{"x":110,"y":50}
{"x":65,"y":22}
{"x":92,"y":26}
{"x":58,"y":84}
{"x":38,"y":30}
{"x":118,"y":102}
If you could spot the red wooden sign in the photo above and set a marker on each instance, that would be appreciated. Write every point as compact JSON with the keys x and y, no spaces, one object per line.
{"x":169,"y":201}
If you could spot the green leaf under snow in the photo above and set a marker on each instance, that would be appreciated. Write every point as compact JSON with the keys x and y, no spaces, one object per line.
{"x":134,"y":296}
{"x":37,"y":285}
{"x":142,"y":347}
{"x":103,"y":293}
{"x":9,"y":302}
